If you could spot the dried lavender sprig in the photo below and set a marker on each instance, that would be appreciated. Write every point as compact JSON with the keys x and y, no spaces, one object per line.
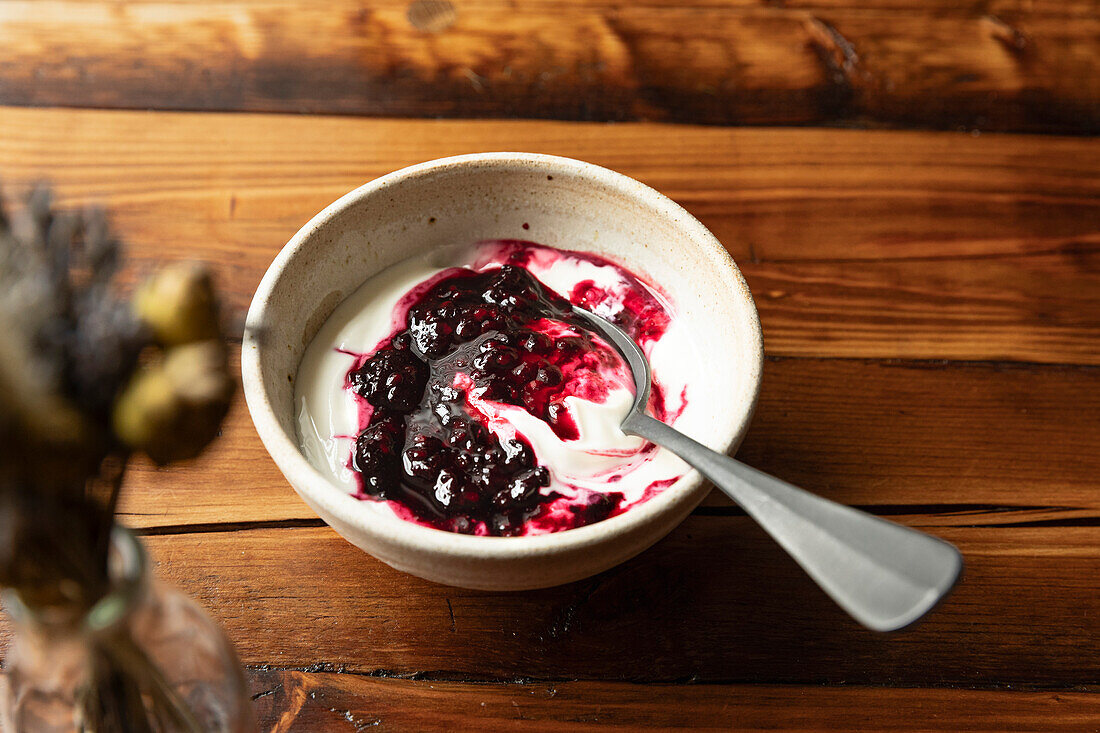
{"x":67,"y":346}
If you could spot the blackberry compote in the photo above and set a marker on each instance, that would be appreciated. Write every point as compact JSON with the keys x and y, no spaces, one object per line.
{"x":498,"y":335}
{"x":454,"y":390}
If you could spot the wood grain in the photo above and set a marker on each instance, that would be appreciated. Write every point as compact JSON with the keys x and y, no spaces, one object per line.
{"x":856,"y":244}
{"x":319,"y":701}
{"x":954,"y":443}
{"x":994,"y":65}
{"x":716,"y":601}
{"x":931,"y":303}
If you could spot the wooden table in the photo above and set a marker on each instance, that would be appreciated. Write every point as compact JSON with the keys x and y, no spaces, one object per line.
{"x":924,"y":250}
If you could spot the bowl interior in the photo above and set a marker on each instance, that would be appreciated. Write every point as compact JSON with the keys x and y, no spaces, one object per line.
{"x":552,"y":201}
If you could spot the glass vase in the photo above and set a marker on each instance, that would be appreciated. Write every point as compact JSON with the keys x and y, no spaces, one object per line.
{"x":144,"y":658}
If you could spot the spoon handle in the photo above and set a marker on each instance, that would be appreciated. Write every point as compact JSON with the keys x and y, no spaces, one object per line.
{"x":883,"y":574}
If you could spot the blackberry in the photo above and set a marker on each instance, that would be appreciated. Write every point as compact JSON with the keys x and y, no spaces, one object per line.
{"x":391,"y":379}
{"x":376,"y":454}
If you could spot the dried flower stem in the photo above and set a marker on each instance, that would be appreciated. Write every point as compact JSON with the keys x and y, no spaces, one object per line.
{"x":127,"y":691}
{"x":108,"y":483}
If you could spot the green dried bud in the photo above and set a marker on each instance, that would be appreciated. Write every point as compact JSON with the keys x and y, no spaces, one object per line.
{"x":173,"y":408}
{"x":178,"y":304}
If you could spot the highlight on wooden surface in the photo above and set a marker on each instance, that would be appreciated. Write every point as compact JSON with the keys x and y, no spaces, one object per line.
{"x":996,"y":65}
{"x":856,"y":244}
{"x":326,"y":701}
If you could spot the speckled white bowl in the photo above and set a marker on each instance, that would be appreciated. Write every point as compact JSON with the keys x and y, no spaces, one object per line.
{"x":468,"y":198}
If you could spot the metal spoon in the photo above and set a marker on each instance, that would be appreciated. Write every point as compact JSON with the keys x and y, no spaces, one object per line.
{"x":883,"y":574}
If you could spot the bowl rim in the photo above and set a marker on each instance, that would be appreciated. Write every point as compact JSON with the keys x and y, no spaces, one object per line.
{"x":322,"y":494}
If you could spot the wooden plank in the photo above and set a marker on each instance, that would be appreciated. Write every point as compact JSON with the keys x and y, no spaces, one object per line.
{"x":946,"y":441}
{"x":898,"y":433}
{"x":716,"y":601}
{"x":993,"y":65}
{"x":320,"y":701}
{"x":857,"y":244}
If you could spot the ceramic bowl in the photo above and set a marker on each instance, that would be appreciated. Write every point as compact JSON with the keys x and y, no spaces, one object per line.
{"x":554,"y":201}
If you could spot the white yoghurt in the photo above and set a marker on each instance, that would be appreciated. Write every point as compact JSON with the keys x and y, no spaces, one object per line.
{"x":601,"y":459}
